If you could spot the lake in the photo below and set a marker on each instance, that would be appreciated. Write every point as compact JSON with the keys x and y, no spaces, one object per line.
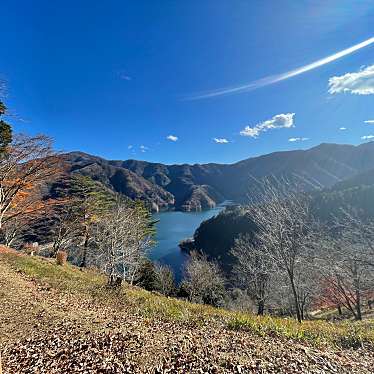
{"x":171,"y":229}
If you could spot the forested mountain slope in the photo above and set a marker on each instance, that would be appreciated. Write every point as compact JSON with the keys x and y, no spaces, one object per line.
{"x":216,"y":236}
{"x":195,"y":187}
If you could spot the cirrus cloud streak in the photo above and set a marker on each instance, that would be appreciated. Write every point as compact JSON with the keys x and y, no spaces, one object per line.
{"x":271,"y":79}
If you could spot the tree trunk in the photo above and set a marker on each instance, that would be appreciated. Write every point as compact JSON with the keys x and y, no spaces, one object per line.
{"x":302,"y":313}
{"x":2,"y":236}
{"x":85,"y":248}
{"x":358,"y":306}
{"x":296,"y":299}
{"x":260,"y":308}
{"x":339,"y":309}
{"x":347,"y":299}
{"x":357,"y":293}
{"x":54,"y":250}
{"x":114,"y":281}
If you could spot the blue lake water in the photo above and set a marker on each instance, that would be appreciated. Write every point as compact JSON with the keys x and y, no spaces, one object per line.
{"x":171,"y":229}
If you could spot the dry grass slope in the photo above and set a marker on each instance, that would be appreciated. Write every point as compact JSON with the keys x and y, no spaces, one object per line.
{"x":64,"y":320}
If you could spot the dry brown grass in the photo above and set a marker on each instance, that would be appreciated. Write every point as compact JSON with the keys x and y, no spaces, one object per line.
{"x":69,"y":308}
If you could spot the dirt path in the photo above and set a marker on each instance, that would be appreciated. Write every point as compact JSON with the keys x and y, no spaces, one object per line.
{"x":21,"y":306}
{"x":46,"y":331}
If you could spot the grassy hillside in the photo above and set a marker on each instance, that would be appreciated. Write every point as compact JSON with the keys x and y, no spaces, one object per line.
{"x":61,"y":319}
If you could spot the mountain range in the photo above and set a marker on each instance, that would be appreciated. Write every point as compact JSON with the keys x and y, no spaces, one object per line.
{"x":201,"y":186}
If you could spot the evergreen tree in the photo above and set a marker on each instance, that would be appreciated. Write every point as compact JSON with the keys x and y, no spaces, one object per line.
{"x":86,"y":201}
{"x":92,"y":200}
{"x":5,"y":130}
{"x":146,"y":275}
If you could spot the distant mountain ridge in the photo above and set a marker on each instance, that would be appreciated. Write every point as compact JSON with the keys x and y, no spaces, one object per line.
{"x":201,"y":186}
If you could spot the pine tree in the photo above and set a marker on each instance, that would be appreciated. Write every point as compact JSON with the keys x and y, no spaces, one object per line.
{"x":5,"y":130}
{"x":92,"y":200}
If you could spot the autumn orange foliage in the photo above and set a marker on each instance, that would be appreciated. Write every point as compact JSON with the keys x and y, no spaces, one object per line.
{"x":26,"y":167}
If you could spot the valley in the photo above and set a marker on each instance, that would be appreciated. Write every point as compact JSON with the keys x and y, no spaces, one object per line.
{"x":187,"y":187}
{"x":198,"y":187}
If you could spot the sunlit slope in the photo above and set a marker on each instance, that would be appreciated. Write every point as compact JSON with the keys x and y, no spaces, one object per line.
{"x":61,"y":319}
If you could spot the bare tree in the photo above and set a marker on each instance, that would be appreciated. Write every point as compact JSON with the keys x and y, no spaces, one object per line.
{"x":346,"y":262}
{"x":13,"y":231}
{"x":204,"y":281}
{"x":252,"y":270}
{"x":308,"y":284}
{"x":165,"y":282}
{"x":358,"y":228}
{"x":345,"y":277}
{"x":284,"y":229}
{"x":26,"y":165}
{"x":67,"y":230}
{"x":281,"y":301}
{"x":122,"y":238}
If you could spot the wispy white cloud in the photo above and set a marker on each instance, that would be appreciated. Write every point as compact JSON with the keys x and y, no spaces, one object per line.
{"x":297,"y":139}
{"x":370,"y":122}
{"x":281,"y":77}
{"x":221,"y":140}
{"x":277,"y":122}
{"x":130,"y":146}
{"x":367,"y":137}
{"x":342,"y":128}
{"x":358,"y":83}
{"x":143,"y":148}
{"x":172,"y":138}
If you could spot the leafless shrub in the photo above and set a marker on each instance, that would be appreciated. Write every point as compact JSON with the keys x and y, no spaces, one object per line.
{"x":165,"y":282}
{"x":204,"y":281}
{"x":239,"y":300}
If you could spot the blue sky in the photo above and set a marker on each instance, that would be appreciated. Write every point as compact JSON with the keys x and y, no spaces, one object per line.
{"x":101,"y":77}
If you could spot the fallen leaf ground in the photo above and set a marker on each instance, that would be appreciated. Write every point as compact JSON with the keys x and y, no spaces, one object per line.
{"x":51,"y":325}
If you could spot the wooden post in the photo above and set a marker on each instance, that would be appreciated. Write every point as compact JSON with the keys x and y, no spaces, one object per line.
{"x":61,"y":258}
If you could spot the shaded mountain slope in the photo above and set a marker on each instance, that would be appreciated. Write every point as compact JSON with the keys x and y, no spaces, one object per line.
{"x":215,"y":237}
{"x":362,"y":179}
{"x":196,"y":187}
{"x":119,"y":179}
